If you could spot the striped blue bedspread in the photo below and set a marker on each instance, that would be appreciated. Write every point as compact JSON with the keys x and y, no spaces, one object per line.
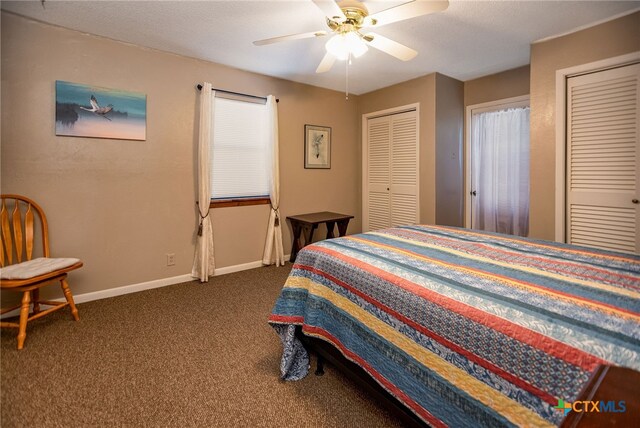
{"x":466,"y":328}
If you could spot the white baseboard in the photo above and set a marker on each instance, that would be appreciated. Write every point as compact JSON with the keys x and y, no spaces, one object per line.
{"x":244,"y":266}
{"x":157,"y":283}
{"x":133,"y":288}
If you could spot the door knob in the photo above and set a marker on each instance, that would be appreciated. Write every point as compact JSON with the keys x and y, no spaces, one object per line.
{"x":635,"y":201}
{"x":473,"y":192}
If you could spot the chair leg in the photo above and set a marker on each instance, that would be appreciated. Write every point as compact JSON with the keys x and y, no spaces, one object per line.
{"x":35,"y":299}
{"x":69,"y":297}
{"x":24,"y":316}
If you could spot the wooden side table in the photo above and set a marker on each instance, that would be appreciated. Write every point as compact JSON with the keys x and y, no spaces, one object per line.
{"x":308,"y":223}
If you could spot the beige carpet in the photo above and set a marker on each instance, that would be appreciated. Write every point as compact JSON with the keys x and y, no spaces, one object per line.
{"x":185,"y":355}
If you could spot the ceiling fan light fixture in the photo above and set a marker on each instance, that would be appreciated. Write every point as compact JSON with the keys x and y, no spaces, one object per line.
{"x":341,"y":45}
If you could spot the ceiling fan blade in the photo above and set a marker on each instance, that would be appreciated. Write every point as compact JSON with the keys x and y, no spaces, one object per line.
{"x":290,"y":37}
{"x":326,"y":63}
{"x":390,"y":47}
{"x":331,"y":10}
{"x":406,"y":11}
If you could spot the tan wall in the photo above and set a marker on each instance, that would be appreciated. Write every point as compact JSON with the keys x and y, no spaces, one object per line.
{"x":122,"y":205}
{"x":421,"y":90}
{"x":506,"y":84}
{"x":610,"y":39}
{"x":449,"y":151}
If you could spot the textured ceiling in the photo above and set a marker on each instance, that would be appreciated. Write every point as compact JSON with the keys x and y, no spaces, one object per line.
{"x":468,"y":40}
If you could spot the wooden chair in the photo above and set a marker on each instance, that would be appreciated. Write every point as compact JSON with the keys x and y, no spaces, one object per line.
{"x":28,"y":274}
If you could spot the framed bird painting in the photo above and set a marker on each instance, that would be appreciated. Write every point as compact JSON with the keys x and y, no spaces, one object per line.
{"x":91,"y":111}
{"x":317,"y":147}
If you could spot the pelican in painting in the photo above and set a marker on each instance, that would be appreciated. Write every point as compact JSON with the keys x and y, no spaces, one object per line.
{"x":95,"y":108}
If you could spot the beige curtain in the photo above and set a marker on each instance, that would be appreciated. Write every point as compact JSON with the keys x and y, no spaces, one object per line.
{"x":204,"y":262}
{"x":273,"y":250}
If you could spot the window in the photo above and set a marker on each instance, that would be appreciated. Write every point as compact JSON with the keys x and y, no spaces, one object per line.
{"x":241,"y":153}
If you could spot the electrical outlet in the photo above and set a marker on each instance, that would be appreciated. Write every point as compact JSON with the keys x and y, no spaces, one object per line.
{"x":171,"y":259}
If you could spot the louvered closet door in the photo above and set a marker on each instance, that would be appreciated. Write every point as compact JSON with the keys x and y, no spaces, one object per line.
{"x":392,"y":171}
{"x":379,"y":172}
{"x":603,"y":146}
{"x":404,"y":169}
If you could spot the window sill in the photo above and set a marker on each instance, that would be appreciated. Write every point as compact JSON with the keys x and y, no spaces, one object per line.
{"x":224,"y":203}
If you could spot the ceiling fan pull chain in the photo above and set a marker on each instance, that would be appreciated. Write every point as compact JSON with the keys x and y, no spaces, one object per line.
{"x":348,"y":61}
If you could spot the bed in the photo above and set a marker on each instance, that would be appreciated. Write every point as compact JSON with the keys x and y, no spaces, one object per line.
{"x":464,"y":328}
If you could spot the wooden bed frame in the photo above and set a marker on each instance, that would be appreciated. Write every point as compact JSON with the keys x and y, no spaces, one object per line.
{"x":609,"y":383}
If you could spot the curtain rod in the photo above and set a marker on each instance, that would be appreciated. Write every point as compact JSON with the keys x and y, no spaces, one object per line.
{"x":199,"y":86}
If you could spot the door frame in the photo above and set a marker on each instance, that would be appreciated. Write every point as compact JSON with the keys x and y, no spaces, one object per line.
{"x":519,"y":101}
{"x":365,"y":154}
{"x":562,"y":75}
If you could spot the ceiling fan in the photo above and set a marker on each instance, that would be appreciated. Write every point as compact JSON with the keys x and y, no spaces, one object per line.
{"x":347,"y":18}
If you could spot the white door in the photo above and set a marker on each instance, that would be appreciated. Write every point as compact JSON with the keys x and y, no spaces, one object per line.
{"x":391,"y":171}
{"x":379,"y":173}
{"x":404,"y":169}
{"x":499,"y":163}
{"x":602,"y":159}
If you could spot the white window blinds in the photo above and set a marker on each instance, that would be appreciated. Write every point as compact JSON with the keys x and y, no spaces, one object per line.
{"x":240,"y":155}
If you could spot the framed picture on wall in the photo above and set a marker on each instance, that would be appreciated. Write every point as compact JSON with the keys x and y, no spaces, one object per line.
{"x":317,"y":147}
{"x":96,"y":112}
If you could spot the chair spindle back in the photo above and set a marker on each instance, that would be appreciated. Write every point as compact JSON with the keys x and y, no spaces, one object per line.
{"x":18,"y":229}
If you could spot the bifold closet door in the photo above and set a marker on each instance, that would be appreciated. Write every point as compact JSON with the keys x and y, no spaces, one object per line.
{"x":602,"y":159}
{"x":379,"y":173}
{"x":392,"y":171}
